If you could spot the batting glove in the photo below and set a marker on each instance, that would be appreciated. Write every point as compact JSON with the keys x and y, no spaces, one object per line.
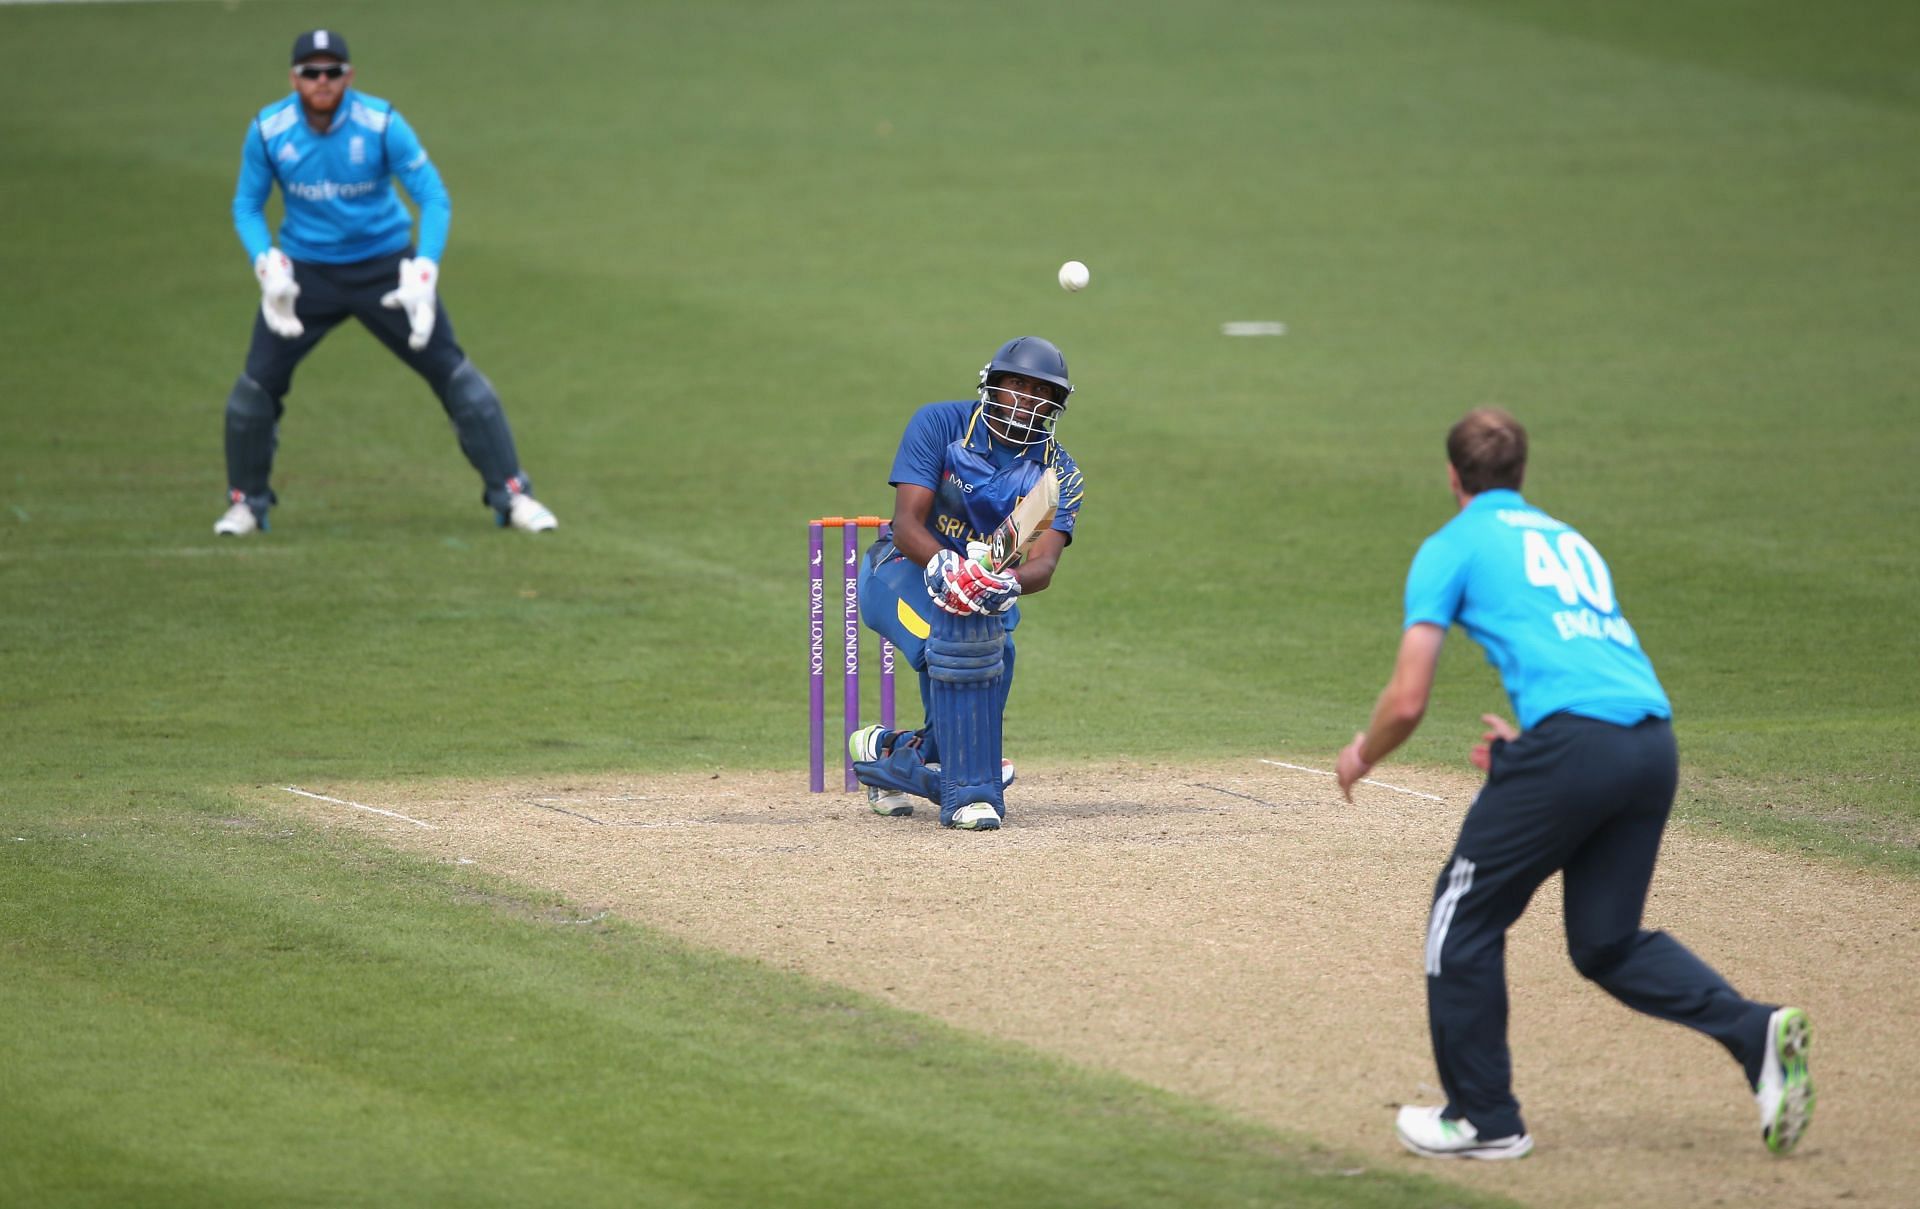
{"x":278,"y":289}
{"x":987,"y":591}
{"x":418,"y":279}
{"x":941,"y":578}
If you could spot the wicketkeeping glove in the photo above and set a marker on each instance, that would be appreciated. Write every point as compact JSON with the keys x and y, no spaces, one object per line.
{"x":278,"y":289}
{"x":418,"y":279}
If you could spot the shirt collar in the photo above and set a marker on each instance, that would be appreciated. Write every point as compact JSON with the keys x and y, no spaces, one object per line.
{"x":1499,"y":497}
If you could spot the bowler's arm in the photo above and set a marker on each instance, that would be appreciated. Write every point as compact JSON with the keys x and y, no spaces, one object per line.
{"x":1397,"y":714}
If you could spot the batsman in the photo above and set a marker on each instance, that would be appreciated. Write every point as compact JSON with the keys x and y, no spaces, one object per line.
{"x":985,"y":502}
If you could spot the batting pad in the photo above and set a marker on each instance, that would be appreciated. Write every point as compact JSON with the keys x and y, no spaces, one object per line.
{"x":965,"y":665}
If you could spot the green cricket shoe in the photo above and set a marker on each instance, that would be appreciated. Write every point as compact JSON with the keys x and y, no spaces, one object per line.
{"x":1785,"y":1090}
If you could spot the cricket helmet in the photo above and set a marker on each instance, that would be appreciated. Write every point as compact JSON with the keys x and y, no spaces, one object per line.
{"x":1018,"y":418}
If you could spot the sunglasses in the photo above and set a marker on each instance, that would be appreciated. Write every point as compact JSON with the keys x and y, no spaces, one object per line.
{"x":313,"y":71}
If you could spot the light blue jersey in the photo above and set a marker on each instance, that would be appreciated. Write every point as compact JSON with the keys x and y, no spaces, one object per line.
{"x":1539,"y":599}
{"x":975,"y":479}
{"x":338,"y":186}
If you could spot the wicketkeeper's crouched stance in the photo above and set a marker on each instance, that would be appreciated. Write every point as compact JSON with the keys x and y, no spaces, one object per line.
{"x":985,"y":501}
{"x":334,"y":153}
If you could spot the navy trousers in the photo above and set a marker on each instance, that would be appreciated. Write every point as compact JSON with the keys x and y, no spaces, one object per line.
{"x":329,"y":295}
{"x":1590,"y":800}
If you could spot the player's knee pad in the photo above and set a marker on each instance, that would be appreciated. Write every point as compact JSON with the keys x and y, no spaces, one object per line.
{"x":468,"y":395}
{"x":253,"y":432}
{"x":967,"y":650}
{"x":964,"y":669}
{"x":250,"y":406}
{"x":481,"y":424}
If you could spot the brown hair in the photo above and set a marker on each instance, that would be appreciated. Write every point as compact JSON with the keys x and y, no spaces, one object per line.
{"x":1488,"y":448}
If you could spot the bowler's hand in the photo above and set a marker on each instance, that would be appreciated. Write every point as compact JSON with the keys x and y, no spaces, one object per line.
{"x":419,"y":278}
{"x":278,"y":289}
{"x":1350,"y":767}
{"x":1498,"y":728}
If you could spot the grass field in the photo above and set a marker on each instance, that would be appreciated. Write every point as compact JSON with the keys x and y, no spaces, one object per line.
{"x":712,"y":255}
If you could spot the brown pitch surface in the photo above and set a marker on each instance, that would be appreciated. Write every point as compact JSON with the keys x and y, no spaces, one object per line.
{"x":1238,"y":934}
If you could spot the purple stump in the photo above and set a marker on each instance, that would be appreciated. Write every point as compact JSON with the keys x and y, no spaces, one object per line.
{"x":851,"y":638}
{"x":817,"y":670}
{"x":886,"y":664}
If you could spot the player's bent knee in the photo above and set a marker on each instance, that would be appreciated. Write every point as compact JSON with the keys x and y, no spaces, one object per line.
{"x":468,"y":393}
{"x":249,"y":405}
{"x":1596,"y":962}
{"x":972,"y":655}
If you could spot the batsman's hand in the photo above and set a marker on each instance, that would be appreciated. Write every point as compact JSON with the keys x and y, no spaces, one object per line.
{"x":278,"y":289}
{"x":1499,"y":730}
{"x":989,"y":592}
{"x":942,"y":578}
{"x":419,"y":278}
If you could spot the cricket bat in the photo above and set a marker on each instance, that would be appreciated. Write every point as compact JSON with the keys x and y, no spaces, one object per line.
{"x":1032,"y":515}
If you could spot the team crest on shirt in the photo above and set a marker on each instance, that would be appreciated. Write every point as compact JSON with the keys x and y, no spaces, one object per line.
{"x":357,"y":150}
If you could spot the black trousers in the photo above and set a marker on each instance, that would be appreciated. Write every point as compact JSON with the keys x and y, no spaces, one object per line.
{"x":1589,"y":800}
{"x":329,"y":295}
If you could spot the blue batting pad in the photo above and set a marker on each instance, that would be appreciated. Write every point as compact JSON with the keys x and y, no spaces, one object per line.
{"x":965,"y":670}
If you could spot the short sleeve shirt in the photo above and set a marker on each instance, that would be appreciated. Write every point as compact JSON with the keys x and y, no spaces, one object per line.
{"x":1539,"y":599}
{"x":976,"y":479}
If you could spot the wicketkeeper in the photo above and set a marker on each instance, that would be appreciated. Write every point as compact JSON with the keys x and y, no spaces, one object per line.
{"x":346,"y":249}
{"x":932,"y":590}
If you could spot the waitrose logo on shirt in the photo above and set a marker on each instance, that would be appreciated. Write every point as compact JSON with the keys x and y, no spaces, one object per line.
{"x":329,"y":190}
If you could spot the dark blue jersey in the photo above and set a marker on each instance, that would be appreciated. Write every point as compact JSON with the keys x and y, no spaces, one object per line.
{"x":975,"y":479}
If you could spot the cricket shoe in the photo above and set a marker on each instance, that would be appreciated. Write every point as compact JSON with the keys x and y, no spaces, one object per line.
{"x":1430,"y":1135}
{"x":889,"y":803}
{"x":1785,"y":1091}
{"x":527,"y":514}
{"x":864,"y":746}
{"x":240,"y":520}
{"x":976,"y":816}
{"x":867,"y":744}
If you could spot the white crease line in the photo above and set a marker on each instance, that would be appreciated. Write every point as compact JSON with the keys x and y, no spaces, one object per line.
{"x":1363,"y":780}
{"x":321,"y":797}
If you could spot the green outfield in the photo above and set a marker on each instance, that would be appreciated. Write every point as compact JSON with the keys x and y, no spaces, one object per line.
{"x":712,"y":254}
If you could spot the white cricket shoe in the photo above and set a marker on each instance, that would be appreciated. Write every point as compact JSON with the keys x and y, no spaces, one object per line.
{"x":1785,"y":1091}
{"x":237,"y":521}
{"x":889,"y":803}
{"x":864,"y":746}
{"x":528,"y":514}
{"x":976,"y":816}
{"x":1430,"y":1135}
